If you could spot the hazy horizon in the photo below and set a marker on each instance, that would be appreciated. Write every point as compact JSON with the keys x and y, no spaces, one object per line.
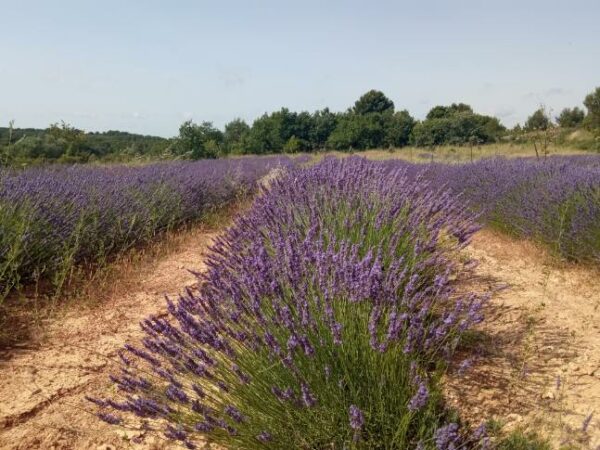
{"x":145,"y":67}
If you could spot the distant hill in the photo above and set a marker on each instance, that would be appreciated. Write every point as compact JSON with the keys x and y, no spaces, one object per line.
{"x":66,"y":144}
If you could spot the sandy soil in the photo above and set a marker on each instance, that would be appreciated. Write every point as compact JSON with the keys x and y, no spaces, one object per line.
{"x":537,"y":364}
{"x":545,"y":326}
{"x":42,"y":389}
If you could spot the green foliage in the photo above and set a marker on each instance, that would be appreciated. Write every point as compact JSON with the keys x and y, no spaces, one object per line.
{"x":356,"y":131}
{"x":398,"y":129}
{"x":570,"y":117}
{"x":583,"y":139}
{"x":440,"y":112}
{"x":373,"y":102}
{"x":375,"y":126}
{"x":592,"y":103}
{"x":324,"y":122}
{"x":271,"y":132}
{"x":63,"y":143}
{"x":199,"y":141}
{"x":371,"y":123}
{"x":456,"y":125}
{"x":293,"y":145}
{"x":235,"y":135}
{"x":539,"y":120}
{"x":265,"y":135}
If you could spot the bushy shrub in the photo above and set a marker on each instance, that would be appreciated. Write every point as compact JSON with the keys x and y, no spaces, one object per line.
{"x":592,"y":104}
{"x":570,"y":117}
{"x":456,"y":126}
{"x":539,"y":120}
{"x":358,"y":131}
{"x":373,"y":102}
{"x":323,"y":321}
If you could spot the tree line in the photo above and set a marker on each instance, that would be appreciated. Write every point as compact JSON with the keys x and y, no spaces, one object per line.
{"x":61,"y":142}
{"x":568,"y":117}
{"x":372,"y":122}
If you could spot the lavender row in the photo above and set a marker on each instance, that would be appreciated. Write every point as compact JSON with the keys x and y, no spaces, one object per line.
{"x":324,"y":320}
{"x":55,"y":217}
{"x":554,"y":201}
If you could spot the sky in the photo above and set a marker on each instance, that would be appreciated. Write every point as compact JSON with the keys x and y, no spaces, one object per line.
{"x":147,"y":66}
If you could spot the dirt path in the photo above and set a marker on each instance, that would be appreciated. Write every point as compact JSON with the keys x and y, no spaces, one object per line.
{"x":539,"y":350}
{"x":41,"y":393}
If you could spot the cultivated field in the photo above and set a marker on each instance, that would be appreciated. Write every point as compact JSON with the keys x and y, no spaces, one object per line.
{"x":336,"y":303}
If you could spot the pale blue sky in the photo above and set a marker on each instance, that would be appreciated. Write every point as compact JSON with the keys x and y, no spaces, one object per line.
{"x":145,"y":66}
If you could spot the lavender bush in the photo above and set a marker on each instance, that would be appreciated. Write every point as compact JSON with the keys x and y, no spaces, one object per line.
{"x":54,"y":217}
{"x":323,"y":321}
{"x":555,"y":201}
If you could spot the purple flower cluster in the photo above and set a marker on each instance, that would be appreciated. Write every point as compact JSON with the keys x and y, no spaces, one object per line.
{"x":357,"y":419}
{"x":447,"y":437}
{"x":51,"y":217}
{"x":336,"y":268}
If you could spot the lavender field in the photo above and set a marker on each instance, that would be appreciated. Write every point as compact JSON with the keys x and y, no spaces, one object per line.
{"x":338,"y":282}
{"x":53,"y":218}
{"x":330,"y":312}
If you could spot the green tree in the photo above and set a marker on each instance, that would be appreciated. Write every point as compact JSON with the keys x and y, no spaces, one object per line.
{"x":69,"y":139}
{"x":440,"y":112}
{"x":431,"y":132}
{"x":457,"y":129}
{"x":398,"y":128}
{"x":324,"y":122}
{"x":570,"y":117}
{"x":359,"y":132}
{"x":592,"y":103}
{"x":235,"y":136}
{"x":302,"y":129}
{"x":539,"y":120}
{"x":264,"y":136}
{"x":199,"y":141}
{"x":270,"y":132}
{"x":373,"y":102}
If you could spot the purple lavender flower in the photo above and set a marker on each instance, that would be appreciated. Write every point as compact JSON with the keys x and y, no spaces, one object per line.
{"x":480,"y":432}
{"x":264,"y":437}
{"x":204,"y":427}
{"x":357,"y":419}
{"x":176,"y":394}
{"x":175,"y":433}
{"x":446,"y":437}
{"x":464,"y":366}
{"x":109,"y":418}
{"x":308,"y":399}
{"x":419,"y":400}
{"x":234,"y":413}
